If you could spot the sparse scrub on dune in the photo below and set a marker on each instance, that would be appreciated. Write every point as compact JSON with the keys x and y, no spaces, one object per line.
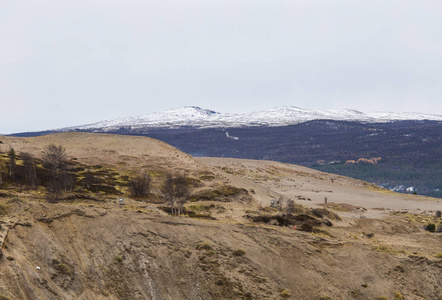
{"x":431,"y":227}
{"x":206,"y":245}
{"x":398,"y":296}
{"x":322,"y":212}
{"x":239,"y":252}
{"x":223,"y":193}
{"x":388,"y":249}
{"x":285,"y":294}
{"x":207,"y":176}
{"x":195,"y":215}
{"x":4,"y":209}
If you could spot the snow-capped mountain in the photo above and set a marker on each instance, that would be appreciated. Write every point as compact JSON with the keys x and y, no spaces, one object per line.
{"x":204,"y":118}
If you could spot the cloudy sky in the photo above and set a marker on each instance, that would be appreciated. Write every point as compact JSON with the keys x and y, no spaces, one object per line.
{"x":75,"y":62}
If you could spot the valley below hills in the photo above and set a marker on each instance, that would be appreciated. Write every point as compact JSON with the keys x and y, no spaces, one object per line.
{"x":247,"y":229}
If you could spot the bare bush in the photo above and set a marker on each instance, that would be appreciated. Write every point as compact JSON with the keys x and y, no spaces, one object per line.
{"x":290,"y":207}
{"x":140,"y":184}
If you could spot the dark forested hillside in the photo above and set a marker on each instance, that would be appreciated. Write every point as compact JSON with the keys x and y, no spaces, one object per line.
{"x":410,"y":151}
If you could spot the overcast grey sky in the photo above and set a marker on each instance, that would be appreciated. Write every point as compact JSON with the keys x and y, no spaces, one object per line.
{"x":75,"y":62}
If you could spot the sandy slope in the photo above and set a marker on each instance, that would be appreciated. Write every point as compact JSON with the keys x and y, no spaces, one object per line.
{"x":125,"y":152}
{"x":107,"y":252}
{"x":272,"y":179}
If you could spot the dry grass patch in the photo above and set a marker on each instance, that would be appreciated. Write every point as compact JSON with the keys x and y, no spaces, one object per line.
{"x":388,"y":249}
{"x":344,"y":207}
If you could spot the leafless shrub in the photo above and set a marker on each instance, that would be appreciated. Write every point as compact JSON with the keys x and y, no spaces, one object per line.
{"x":140,"y":184}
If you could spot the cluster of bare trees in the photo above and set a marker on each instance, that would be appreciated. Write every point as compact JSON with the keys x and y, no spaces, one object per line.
{"x":23,"y":175}
{"x":176,"y":192}
{"x":58,"y":178}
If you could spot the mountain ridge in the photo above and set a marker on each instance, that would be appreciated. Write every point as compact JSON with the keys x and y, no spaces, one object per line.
{"x":193,"y":116}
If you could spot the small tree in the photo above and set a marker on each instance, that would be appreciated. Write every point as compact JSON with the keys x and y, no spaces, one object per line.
{"x":12,"y":163}
{"x":176,"y":191}
{"x":30,"y":170}
{"x":280,"y":205}
{"x":140,"y":184}
{"x":89,"y":179}
{"x":286,"y":208}
{"x":66,"y":180}
{"x":168,"y":190}
{"x":182,"y":191}
{"x":290,"y":207}
{"x":55,"y":158}
{"x":54,"y":191}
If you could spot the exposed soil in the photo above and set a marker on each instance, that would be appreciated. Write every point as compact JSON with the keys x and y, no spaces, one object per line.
{"x":88,"y":249}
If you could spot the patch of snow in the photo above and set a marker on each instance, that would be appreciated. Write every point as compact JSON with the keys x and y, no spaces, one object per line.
{"x":231,"y":137}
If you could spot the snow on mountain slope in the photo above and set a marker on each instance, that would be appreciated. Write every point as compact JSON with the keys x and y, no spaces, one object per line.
{"x":204,"y":118}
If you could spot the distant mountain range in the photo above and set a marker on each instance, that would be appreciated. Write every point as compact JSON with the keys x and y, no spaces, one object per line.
{"x":191,"y":116}
{"x":399,"y":151}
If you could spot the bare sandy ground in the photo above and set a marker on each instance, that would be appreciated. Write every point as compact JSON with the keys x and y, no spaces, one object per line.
{"x":271,"y":180}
